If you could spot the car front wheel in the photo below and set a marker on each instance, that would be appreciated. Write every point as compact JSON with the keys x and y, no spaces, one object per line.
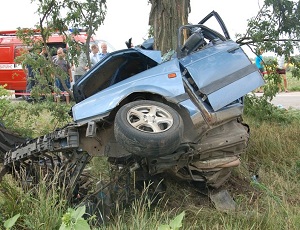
{"x":148,"y":128}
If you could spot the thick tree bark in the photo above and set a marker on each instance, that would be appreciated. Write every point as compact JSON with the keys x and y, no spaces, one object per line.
{"x":166,"y":17}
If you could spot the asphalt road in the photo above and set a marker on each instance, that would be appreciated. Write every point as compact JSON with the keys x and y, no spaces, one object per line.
{"x":286,"y":100}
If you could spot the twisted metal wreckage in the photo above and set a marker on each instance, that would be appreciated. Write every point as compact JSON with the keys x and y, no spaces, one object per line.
{"x":150,"y":117}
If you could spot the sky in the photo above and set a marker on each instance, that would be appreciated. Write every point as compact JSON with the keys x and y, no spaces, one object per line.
{"x":126,"y":19}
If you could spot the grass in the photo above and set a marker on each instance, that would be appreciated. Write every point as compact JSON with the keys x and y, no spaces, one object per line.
{"x":43,"y":210}
{"x":270,"y":202}
{"x":293,"y":83}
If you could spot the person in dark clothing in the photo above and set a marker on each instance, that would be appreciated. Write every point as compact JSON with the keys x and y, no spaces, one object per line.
{"x":62,"y":63}
{"x":30,"y":80}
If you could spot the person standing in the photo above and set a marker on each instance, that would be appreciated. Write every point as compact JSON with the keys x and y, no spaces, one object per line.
{"x":281,"y":70}
{"x":82,"y":67}
{"x":30,"y":81}
{"x":44,"y":52}
{"x":30,"y":75}
{"x":103,"y":50}
{"x":259,"y":62}
{"x":60,"y":61}
{"x":44,"y":68}
{"x":94,"y":56}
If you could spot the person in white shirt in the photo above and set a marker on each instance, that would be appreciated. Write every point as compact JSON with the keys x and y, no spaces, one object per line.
{"x":103,"y":50}
{"x":281,"y":69}
{"x":94,"y":56}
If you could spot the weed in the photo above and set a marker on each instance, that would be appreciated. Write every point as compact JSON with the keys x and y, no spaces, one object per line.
{"x":73,"y":219}
{"x":8,"y":224}
{"x":40,"y":207}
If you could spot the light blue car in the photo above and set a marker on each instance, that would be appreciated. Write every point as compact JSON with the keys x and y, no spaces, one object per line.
{"x":180,"y":115}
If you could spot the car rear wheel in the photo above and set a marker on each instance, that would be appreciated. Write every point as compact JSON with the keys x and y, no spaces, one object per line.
{"x":148,"y":128}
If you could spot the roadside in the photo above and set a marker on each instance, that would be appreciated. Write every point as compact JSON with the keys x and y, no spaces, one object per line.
{"x":286,"y":100}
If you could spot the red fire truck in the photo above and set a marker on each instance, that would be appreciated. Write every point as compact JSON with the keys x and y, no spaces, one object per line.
{"x":11,"y":74}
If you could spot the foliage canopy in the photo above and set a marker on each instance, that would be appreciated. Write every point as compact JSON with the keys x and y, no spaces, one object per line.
{"x":57,"y":16}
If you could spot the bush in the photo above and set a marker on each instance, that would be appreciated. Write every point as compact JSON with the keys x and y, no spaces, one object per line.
{"x":32,"y":119}
{"x":262,"y":110}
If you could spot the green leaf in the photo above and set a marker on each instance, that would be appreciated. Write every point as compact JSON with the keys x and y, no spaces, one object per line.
{"x":81,"y":224}
{"x":11,"y":222}
{"x":177,"y":222}
{"x":63,"y":227}
{"x":164,"y":227}
{"x":79,"y":212}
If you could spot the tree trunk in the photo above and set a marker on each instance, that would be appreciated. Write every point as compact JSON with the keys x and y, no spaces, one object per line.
{"x":166,"y":16}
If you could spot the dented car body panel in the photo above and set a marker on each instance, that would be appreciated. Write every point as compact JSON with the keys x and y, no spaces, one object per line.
{"x":222,"y":72}
{"x":115,"y":67}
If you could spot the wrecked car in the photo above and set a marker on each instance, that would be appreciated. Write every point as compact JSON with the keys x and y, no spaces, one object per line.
{"x":180,"y":116}
{"x":183,"y":116}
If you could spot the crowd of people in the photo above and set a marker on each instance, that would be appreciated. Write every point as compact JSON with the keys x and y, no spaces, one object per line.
{"x":63,"y":84}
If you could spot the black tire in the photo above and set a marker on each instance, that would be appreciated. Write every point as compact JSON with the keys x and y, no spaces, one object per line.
{"x":20,"y":91}
{"x":159,"y":133}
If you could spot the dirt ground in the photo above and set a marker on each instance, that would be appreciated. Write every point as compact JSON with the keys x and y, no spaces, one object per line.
{"x":189,"y":195}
